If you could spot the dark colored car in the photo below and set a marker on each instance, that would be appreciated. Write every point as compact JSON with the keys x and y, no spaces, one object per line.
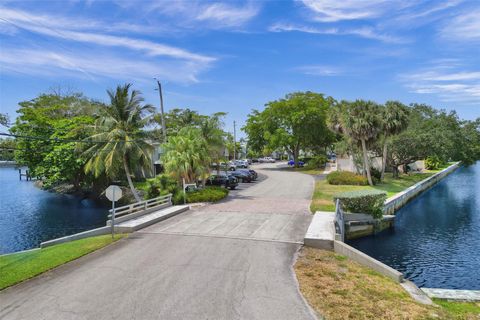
{"x":222,"y":180}
{"x":292,"y":163}
{"x":241,"y":176}
{"x":251,"y":172}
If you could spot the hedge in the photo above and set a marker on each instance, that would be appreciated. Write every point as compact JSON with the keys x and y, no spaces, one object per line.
{"x":317,"y":162}
{"x":346,"y":178}
{"x":363,"y":201}
{"x":208,"y":194}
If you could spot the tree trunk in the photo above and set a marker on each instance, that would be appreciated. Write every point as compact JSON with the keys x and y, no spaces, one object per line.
{"x":296,"y":151}
{"x":366,"y":166}
{"x":384,"y":159}
{"x":129,"y":179}
{"x":395,"y":171}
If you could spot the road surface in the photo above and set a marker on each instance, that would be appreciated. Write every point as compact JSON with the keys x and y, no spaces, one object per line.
{"x":230,"y":260}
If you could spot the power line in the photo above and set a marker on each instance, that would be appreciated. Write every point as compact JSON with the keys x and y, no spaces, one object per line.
{"x":65,"y":140}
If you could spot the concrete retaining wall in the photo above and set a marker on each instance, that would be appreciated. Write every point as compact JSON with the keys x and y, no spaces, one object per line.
{"x":397,"y":201}
{"x":367,"y":261}
{"x":77,"y":236}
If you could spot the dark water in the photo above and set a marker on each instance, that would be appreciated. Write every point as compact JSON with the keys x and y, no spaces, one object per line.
{"x":436,"y":241}
{"x":29,"y":215}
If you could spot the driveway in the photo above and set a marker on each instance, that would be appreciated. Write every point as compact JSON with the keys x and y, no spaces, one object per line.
{"x":231,"y":260}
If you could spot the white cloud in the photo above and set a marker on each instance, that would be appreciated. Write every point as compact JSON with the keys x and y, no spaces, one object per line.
{"x":320,"y":70}
{"x":334,"y":10}
{"x":59,"y":28}
{"x":464,"y":27}
{"x":207,"y":15}
{"x":20,"y":17}
{"x":227,"y":15}
{"x":95,"y":65}
{"x":447,"y":81}
{"x":364,"y":32}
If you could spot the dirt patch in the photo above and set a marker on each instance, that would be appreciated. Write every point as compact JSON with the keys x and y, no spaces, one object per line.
{"x":338,"y":288}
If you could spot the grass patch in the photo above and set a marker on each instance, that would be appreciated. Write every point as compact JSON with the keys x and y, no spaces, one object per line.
{"x":322,"y":199}
{"x":338,"y":288}
{"x":460,"y":310}
{"x":306,"y":170}
{"x":21,"y":266}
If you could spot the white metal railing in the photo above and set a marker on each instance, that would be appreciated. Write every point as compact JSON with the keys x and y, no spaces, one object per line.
{"x":141,"y":206}
{"x":339,"y":221}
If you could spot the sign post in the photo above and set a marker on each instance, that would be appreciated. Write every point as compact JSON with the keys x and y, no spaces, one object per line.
{"x":113,"y":193}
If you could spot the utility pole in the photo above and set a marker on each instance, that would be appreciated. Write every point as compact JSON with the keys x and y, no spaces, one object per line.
{"x":162,"y":115}
{"x":234,"y":141}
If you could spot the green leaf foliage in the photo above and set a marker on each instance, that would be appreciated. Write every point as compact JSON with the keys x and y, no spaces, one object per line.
{"x":363,"y":201}
{"x":296,"y":122}
{"x":346,"y":178}
{"x":45,"y":126}
{"x":187,"y":155}
{"x":208,"y":194}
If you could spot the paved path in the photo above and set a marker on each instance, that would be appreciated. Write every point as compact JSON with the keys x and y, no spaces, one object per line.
{"x":231,"y":260}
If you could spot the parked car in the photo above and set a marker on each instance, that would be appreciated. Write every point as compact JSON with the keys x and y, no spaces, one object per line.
{"x":266,"y":160}
{"x":292,"y":163}
{"x":222,"y":180}
{"x":250,"y":161}
{"x":241,"y":176}
{"x":225,"y":166}
{"x":241,"y":164}
{"x":252,"y":173}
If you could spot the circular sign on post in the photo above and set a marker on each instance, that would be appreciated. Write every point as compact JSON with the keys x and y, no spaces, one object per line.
{"x":113,"y":193}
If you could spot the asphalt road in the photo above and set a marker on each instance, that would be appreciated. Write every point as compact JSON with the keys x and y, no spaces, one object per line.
{"x":231,"y":260}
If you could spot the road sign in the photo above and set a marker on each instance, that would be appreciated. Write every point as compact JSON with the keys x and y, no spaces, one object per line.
{"x":113,"y":193}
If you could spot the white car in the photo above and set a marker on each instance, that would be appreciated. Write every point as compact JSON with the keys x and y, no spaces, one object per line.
{"x":266,"y":160}
{"x":241,"y":164}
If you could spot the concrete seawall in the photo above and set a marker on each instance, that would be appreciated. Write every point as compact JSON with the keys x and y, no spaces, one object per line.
{"x":397,"y":201}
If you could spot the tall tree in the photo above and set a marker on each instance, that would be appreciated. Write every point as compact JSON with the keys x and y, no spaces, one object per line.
{"x":297,"y":122}
{"x":187,"y":155}
{"x":360,"y":120}
{"x":394,"y":119}
{"x":119,"y":138}
{"x":46,"y":127}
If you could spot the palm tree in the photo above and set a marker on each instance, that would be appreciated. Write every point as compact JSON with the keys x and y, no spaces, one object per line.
{"x":118,"y":137}
{"x":212,"y":132}
{"x":394,"y":120}
{"x":187,"y":155}
{"x":361,"y":122}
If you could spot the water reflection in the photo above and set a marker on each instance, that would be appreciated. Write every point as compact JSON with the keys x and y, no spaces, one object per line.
{"x":29,"y":215}
{"x":436,"y":240}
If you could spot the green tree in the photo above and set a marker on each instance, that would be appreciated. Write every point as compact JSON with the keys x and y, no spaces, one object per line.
{"x":359,"y":121}
{"x":394,"y":119}
{"x":7,"y":148}
{"x":187,"y":155}
{"x":297,"y":122}
{"x":4,"y":120}
{"x":46,"y":127}
{"x":255,"y":129}
{"x":119,"y":138}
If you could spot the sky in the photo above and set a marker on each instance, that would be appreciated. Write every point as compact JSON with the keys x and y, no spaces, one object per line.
{"x":234,"y":56}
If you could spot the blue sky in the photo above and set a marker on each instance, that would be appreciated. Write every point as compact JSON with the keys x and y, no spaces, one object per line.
{"x":237,"y":55}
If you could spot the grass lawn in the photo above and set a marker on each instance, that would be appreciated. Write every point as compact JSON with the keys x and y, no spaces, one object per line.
{"x":322,"y":199}
{"x":338,"y":288}
{"x":21,"y":266}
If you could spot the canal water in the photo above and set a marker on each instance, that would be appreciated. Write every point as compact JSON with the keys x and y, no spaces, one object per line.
{"x":29,"y":215}
{"x":436,"y":239}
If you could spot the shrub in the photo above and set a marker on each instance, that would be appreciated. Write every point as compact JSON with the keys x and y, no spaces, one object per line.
{"x":346,"y":178}
{"x":376,"y":175}
{"x":162,"y":185}
{"x":208,"y":194}
{"x":433,"y":163}
{"x":317,"y":162}
{"x":363,"y":201}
